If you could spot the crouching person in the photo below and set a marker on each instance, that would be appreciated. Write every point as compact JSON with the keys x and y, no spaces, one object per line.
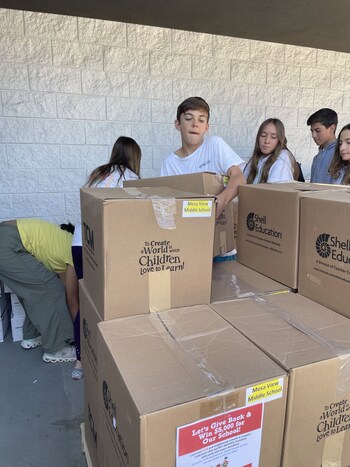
{"x":32,"y":253}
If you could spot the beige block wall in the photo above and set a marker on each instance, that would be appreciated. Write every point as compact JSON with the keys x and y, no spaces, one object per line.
{"x":70,"y":86}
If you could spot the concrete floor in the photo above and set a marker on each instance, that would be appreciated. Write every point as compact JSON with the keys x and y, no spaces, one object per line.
{"x":41,"y":409}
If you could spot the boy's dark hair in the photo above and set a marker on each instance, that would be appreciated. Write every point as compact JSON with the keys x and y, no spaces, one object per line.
{"x":68,"y":227}
{"x":192,"y":103}
{"x":326,"y":117}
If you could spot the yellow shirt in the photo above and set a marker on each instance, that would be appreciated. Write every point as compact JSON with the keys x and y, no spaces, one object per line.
{"x":47,"y":242}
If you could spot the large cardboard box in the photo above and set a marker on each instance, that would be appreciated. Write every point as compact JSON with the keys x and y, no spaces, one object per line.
{"x":313,"y":344}
{"x":89,"y":318}
{"x":180,"y":388}
{"x":17,"y":318}
{"x":146,"y":249}
{"x":203,"y":183}
{"x":5,"y":310}
{"x":233,"y":280}
{"x":324,"y":260}
{"x":268,"y":228}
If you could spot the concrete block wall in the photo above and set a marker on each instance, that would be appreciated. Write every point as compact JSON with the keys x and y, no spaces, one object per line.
{"x":70,"y":86}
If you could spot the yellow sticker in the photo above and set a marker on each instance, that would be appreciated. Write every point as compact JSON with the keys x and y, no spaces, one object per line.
{"x":265,"y":392}
{"x":197,"y":208}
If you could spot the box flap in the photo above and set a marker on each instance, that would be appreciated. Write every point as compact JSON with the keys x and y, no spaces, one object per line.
{"x":292,"y":329}
{"x":182,"y":355}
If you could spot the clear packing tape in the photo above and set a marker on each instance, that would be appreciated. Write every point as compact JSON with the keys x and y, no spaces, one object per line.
{"x":164,"y":210}
{"x":192,"y":352}
{"x":333,"y":445}
{"x":336,"y":347}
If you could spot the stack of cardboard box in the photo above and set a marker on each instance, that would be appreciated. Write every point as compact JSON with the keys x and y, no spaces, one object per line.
{"x":167,"y":380}
{"x":255,"y":374}
{"x":298,"y":234}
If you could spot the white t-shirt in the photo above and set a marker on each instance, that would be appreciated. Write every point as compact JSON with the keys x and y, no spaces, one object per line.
{"x":112,"y":181}
{"x":280,"y":171}
{"x":213,"y":155}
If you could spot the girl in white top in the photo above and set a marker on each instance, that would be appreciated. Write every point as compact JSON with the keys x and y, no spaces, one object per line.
{"x":124,"y":164}
{"x":340,"y":165}
{"x":271,"y":160}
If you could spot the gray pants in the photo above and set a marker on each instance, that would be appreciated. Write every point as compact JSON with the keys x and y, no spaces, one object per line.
{"x":40,"y":291}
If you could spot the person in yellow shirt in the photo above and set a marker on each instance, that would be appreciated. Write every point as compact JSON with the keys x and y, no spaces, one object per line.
{"x":32,"y":254}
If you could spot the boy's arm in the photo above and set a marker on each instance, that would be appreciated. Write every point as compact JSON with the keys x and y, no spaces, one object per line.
{"x":236,"y":178}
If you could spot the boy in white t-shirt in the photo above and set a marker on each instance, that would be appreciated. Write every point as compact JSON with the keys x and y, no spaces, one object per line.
{"x":199,"y":154}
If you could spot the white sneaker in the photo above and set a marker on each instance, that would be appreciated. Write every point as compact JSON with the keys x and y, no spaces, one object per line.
{"x":31,"y":343}
{"x":67,"y":354}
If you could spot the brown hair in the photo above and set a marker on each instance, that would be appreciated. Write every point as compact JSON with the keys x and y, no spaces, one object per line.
{"x":257,"y":154}
{"x":338,"y":164}
{"x":126,"y":154}
{"x":192,"y":103}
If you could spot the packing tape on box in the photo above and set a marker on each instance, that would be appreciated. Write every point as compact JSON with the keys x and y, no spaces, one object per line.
{"x":336,"y":347}
{"x":191,"y":352}
{"x":164,"y":209}
{"x":333,"y":446}
{"x":133,"y":191}
{"x":223,"y":243}
{"x":332,"y":451}
{"x":159,"y":290}
{"x":219,"y":404}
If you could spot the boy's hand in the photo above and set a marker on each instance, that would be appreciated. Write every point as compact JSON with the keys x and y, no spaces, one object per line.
{"x":231,"y":191}
{"x":220,"y":204}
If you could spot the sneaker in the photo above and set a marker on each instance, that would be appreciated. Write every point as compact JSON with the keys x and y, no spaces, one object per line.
{"x":67,"y":354}
{"x":31,"y":343}
{"x":77,"y":373}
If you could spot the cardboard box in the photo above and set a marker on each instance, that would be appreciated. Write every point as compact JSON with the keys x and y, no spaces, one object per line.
{"x":232,"y":280}
{"x":17,"y":318}
{"x":268,"y":228}
{"x":175,"y":388}
{"x":5,"y":310}
{"x":313,"y":344}
{"x":149,"y":247}
{"x":203,"y":183}
{"x":324,"y":260}
{"x":93,"y":438}
{"x":89,"y":318}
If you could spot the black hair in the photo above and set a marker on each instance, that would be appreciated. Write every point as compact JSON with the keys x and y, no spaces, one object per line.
{"x":326,"y":117}
{"x":68,"y":227}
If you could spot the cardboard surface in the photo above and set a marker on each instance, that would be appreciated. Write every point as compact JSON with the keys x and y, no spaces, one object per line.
{"x":313,"y":344}
{"x":203,"y":183}
{"x":268,"y":228}
{"x":162,"y":371}
{"x":324,"y":261}
{"x":89,"y":318}
{"x":233,"y":280}
{"x":146,"y":249}
{"x":5,"y":310}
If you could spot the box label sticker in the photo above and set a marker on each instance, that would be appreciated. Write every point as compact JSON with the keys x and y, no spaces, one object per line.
{"x":265,"y":392}
{"x":231,"y":438}
{"x":197,"y":208}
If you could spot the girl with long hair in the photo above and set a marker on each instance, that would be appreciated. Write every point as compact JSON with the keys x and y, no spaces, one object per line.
{"x":271,"y":160}
{"x":124,"y":164}
{"x":340,"y":166}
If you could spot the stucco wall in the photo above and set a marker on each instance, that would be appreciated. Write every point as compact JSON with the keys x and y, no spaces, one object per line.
{"x":70,"y":86}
